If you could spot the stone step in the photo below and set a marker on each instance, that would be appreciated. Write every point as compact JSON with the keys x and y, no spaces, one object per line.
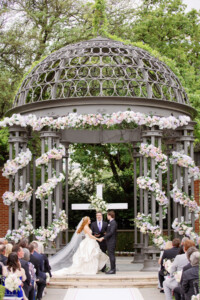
{"x":105,"y":281}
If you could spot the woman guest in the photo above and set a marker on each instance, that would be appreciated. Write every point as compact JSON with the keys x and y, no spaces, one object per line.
{"x":8,"y":249}
{"x":14,"y":267}
{"x":190,"y":276}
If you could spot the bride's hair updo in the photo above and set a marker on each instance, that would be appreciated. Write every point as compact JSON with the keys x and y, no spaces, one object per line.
{"x":85,"y":222}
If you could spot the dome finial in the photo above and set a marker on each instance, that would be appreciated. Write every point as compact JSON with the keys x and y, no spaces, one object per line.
{"x":100,"y":20}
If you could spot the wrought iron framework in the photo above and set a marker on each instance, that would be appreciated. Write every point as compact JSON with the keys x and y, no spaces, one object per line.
{"x":100,"y":67}
{"x":108,"y":73}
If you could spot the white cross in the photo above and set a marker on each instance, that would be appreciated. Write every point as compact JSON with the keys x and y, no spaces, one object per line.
{"x":86,"y":206}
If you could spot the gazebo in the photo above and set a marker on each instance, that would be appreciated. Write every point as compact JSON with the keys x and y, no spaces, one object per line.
{"x":102,"y":76}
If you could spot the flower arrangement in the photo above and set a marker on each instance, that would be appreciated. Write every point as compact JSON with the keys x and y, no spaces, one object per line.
{"x":23,"y":231}
{"x":155,"y":153}
{"x":184,"y":228}
{"x":182,"y":198}
{"x":12,"y":282}
{"x":167,"y":263}
{"x":144,"y":223}
{"x":11,"y":167}
{"x":55,"y":153}
{"x":196,"y":297}
{"x":51,"y":232}
{"x":73,"y":120}
{"x":47,"y":188}
{"x":98,"y":204}
{"x":21,"y":196}
{"x":152,"y":185}
{"x":178,"y":275}
{"x":185,"y":161}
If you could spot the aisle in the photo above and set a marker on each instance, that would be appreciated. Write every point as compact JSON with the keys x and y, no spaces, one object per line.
{"x":106,"y":294}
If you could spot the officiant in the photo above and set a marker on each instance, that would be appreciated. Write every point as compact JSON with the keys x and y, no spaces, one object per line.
{"x":99,"y":228}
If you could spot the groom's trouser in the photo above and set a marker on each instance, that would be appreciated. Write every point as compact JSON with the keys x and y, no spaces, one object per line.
{"x":111,"y":254}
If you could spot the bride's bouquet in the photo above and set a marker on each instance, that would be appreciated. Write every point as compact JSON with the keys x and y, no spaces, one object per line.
{"x":167,"y":263}
{"x":12,"y":282}
{"x":98,"y":204}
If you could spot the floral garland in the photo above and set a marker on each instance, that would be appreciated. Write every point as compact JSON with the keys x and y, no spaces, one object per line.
{"x":146,"y":183}
{"x":46,"y":189}
{"x":182,"y":198}
{"x":184,"y":228}
{"x":24,"y":230}
{"x":73,"y":120}
{"x":21,"y":196}
{"x":41,"y":234}
{"x":144,"y":223}
{"x":51,"y":232}
{"x":155,"y":153}
{"x":185,"y":161}
{"x":55,"y":153}
{"x":98,"y":204}
{"x":11,"y":167}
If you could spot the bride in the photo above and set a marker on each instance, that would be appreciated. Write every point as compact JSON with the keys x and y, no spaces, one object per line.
{"x":83,"y":255}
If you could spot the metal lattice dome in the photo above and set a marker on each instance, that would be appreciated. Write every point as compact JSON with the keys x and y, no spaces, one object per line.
{"x":100,"y":68}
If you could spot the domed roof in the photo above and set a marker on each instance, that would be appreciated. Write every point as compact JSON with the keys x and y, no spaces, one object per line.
{"x":98,"y":68}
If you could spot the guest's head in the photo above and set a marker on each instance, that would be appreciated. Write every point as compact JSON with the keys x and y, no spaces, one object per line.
{"x":2,"y":241}
{"x":35,"y":245}
{"x":2,"y":249}
{"x":31,"y":248}
{"x":188,"y":244}
{"x":19,"y":250}
{"x":26,"y":255}
{"x":99,"y":216}
{"x":184,"y":240}
{"x":110,"y":215}
{"x":8,"y":249}
{"x":194,"y":258}
{"x":190,"y":251}
{"x":13,"y":262}
{"x":168,"y":245}
{"x":40,"y":247}
{"x":176,"y":243}
{"x":23,"y":243}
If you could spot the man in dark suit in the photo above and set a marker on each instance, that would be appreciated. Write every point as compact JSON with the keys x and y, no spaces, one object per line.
{"x":41,"y":283}
{"x":110,"y":238}
{"x":3,"y":258}
{"x":40,"y":258}
{"x":99,"y":228}
{"x":27,"y":287}
{"x":168,"y":254}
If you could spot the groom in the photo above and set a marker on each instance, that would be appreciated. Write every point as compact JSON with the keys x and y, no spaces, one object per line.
{"x":110,"y":238}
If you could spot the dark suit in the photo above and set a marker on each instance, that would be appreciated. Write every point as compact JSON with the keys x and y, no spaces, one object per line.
{"x":110,"y":238}
{"x":3,"y":259}
{"x":178,"y":291}
{"x":40,"y":258}
{"x":95,"y":230}
{"x":167,"y":254}
{"x":188,"y":277}
{"x":41,"y":283}
{"x":28,"y":288}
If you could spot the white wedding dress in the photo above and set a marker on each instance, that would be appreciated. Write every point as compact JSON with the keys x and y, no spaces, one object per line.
{"x":87,"y":260}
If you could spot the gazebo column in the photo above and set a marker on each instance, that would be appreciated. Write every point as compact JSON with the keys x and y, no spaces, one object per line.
{"x":66,"y":144}
{"x":57,"y":193}
{"x":17,"y":141}
{"x":153,"y":136}
{"x":138,"y":207}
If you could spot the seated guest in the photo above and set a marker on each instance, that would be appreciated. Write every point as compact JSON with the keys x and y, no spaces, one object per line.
{"x":8,"y":249}
{"x":40,"y":281}
{"x":178,"y":292}
{"x":28,"y":288}
{"x":179,"y":262}
{"x":190,"y":275}
{"x":24,"y":244}
{"x":3,"y":258}
{"x":168,"y":254}
{"x":14,"y":266}
{"x":31,"y":270}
